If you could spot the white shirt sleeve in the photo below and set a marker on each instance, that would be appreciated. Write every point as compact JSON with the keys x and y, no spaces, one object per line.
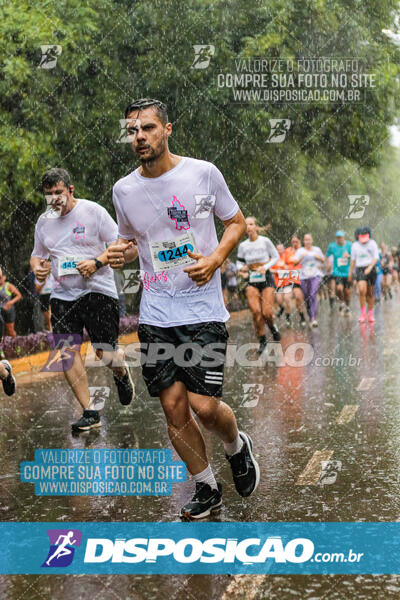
{"x":108,"y":230}
{"x":125,"y":230}
{"x":240,"y":260}
{"x":353,"y":252}
{"x":39,"y":248}
{"x":225,"y":206}
{"x":272,"y":251}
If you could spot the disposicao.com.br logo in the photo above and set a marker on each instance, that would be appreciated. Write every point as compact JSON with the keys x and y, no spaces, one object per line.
{"x":192,"y":550}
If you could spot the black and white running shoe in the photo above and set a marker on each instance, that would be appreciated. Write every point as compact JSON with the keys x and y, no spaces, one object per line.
{"x":275,"y":333}
{"x":203,"y":503}
{"x":9,"y":383}
{"x":245,"y":469}
{"x":263,"y":344}
{"x":125,"y":387}
{"x":88,"y":420}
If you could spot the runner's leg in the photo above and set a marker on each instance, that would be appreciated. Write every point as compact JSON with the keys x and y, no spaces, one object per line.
{"x":215,"y":415}
{"x":253,"y":296}
{"x":183,"y":430}
{"x":314,"y":284}
{"x":267,"y":304}
{"x":78,"y":381}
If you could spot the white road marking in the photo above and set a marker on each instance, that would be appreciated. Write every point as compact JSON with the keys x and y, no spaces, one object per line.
{"x":365,"y":384}
{"x":347,"y":414}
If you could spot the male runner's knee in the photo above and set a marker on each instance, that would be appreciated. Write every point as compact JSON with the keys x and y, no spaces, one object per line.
{"x":176,"y":410}
{"x":206,"y":413}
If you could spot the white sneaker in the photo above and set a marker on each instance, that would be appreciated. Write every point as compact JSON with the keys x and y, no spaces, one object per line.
{"x":314,"y":323}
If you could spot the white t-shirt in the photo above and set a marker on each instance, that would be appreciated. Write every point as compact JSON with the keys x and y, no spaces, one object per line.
{"x":80,"y":234}
{"x":364,"y":254}
{"x":48,"y":286}
{"x":261,"y":250}
{"x":310,"y":266}
{"x":168,"y":215}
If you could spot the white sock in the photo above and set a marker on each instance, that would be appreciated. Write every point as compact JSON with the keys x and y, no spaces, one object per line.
{"x":206,"y":476}
{"x":234,"y":447}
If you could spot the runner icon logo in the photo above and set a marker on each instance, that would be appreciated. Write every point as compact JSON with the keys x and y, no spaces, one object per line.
{"x":357,"y":206}
{"x":330,"y":470}
{"x":203,"y":54}
{"x":62,"y":351}
{"x":251,"y":394}
{"x":204,"y":205}
{"x":49,"y":56}
{"x":62,"y":547}
{"x":127,"y":130}
{"x":279,"y":129}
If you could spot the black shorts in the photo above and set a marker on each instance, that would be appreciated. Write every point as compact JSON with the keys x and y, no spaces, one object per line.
{"x":44,"y":302}
{"x":193,"y":354}
{"x":386,"y":271}
{"x":326,"y":279}
{"x":8,"y":315}
{"x":343,"y":281}
{"x":370,"y":278}
{"x":269,"y":282}
{"x":98,"y":313}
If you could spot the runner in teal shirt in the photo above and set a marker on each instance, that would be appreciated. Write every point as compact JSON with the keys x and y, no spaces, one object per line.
{"x":341,"y":251}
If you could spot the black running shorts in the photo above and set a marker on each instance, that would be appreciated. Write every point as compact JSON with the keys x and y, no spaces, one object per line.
{"x":44,"y":301}
{"x":269,"y":282}
{"x":193,"y":354}
{"x":8,"y":315}
{"x":98,"y":313}
{"x":361,"y":276}
{"x":344,"y":282}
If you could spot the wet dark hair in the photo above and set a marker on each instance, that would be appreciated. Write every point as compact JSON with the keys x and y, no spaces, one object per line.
{"x":142,"y":103}
{"x":53,"y":176}
{"x":362,"y":231}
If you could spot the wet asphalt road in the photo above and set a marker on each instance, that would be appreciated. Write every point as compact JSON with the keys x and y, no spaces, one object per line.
{"x":299,"y":411}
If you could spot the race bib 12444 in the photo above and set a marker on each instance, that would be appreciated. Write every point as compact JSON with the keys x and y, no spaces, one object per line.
{"x":170,"y":254}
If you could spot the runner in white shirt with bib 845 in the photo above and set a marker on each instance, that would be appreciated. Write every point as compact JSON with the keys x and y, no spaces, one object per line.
{"x":73,"y":234}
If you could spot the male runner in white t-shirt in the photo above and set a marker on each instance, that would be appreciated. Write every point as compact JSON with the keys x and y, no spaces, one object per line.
{"x":70,"y":241}
{"x":167,"y":207}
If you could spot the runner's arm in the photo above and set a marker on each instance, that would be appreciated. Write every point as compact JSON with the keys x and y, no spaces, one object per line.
{"x":274,"y":255}
{"x":16,"y":295}
{"x":41,"y":267}
{"x":297,"y":258}
{"x":375,"y":259}
{"x":206,"y":266}
{"x":350,"y":275}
